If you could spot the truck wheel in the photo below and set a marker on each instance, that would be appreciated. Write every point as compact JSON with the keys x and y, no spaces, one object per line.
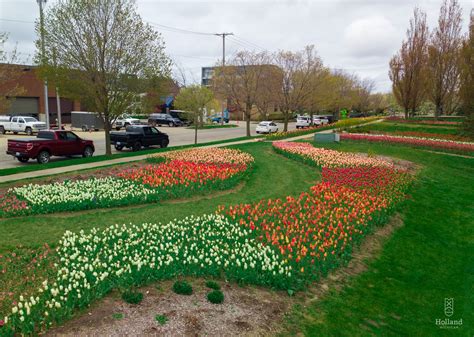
{"x":2,"y":130}
{"x":43,"y":157}
{"x":88,"y":152}
{"x":15,"y":133}
{"x":137,"y":146}
{"x":170,"y":124}
{"x":23,"y":159}
{"x":29,"y":131}
{"x":117,"y":128}
{"x":163,"y":144}
{"x":119,"y":147}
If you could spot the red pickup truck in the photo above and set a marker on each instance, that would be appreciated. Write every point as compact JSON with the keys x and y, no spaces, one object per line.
{"x":50,"y":143}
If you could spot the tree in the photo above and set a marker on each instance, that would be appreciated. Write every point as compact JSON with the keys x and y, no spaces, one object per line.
{"x":9,"y":75}
{"x":298,"y":69}
{"x":195,"y":99}
{"x":407,"y":67}
{"x":103,"y":52}
{"x":443,"y":57}
{"x":241,"y":81}
{"x":466,"y":91}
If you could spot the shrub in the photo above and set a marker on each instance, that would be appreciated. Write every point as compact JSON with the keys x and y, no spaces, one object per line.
{"x":213,"y":285}
{"x":182,"y":288}
{"x":132,"y":297}
{"x":216,"y":296}
{"x":161,"y":319}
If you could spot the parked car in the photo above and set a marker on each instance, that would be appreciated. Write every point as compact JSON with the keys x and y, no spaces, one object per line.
{"x":137,"y":136}
{"x":164,"y":119}
{"x":266,"y":127}
{"x":318,"y":120}
{"x":181,"y":115}
{"x":16,"y":124}
{"x":217,"y":118}
{"x":303,"y":122}
{"x":125,"y":120}
{"x":49,"y":143}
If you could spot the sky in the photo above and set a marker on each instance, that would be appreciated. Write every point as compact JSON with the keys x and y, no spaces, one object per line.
{"x":359,"y":36}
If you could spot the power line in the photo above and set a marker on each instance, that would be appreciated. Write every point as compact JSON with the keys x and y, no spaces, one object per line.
{"x":20,"y":21}
{"x":179,"y":30}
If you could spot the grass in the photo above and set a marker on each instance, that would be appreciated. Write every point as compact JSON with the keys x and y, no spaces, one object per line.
{"x":214,"y":126}
{"x":427,"y":260}
{"x":393,"y":127}
{"x":34,"y":231}
{"x":95,"y":159}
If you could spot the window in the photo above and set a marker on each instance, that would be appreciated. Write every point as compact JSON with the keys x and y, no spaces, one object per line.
{"x":20,"y":120}
{"x":62,"y":135}
{"x":45,"y":135}
{"x":155,"y":131}
{"x":147,"y":131}
{"x":14,"y":120}
{"x":71,"y":136}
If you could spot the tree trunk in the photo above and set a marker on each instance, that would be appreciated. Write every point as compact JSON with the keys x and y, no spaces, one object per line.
{"x":195,"y":129}
{"x":248,"y":114}
{"x":438,"y":111}
{"x":406,"y":112}
{"x":108,"y":148}
{"x":285,"y":120}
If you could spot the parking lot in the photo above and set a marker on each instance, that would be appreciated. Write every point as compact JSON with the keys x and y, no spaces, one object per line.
{"x":177,"y":135}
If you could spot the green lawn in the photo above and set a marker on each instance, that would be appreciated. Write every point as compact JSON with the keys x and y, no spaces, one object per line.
{"x":430,"y":258}
{"x":272,"y":176}
{"x":404,"y":127}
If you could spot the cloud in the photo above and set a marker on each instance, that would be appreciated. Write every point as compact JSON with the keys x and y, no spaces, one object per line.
{"x":373,"y":36}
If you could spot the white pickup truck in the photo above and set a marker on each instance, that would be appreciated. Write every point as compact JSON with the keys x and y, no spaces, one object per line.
{"x":17,"y":124}
{"x":125,"y":120}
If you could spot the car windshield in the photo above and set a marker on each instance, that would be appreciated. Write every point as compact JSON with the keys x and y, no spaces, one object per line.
{"x":30,"y":119}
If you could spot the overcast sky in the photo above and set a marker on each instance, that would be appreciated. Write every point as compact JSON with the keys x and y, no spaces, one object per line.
{"x":357,"y":35}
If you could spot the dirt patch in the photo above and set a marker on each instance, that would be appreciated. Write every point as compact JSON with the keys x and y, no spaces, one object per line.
{"x":246,"y":311}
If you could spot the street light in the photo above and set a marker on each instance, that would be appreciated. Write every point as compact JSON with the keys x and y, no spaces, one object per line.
{"x":46,"y":107}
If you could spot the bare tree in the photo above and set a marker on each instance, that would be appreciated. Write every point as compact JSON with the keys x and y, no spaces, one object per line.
{"x":443,"y":57}
{"x":298,"y":69}
{"x":407,"y":67}
{"x":241,"y":81}
{"x":267,"y":98}
{"x":363,"y":90}
{"x":466,"y":91}
{"x":104,"y":51}
{"x":9,"y":75}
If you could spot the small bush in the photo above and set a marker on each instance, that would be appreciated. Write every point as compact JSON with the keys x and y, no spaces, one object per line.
{"x":213,"y":285}
{"x":216,"y":296}
{"x":117,"y":315}
{"x":161,"y":319}
{"x":182,"y":288}
{"x":132,"y":297}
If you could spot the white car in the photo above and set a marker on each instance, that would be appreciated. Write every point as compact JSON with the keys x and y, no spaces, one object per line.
{"x":303,"y":122}
{"x":125,"y":120}
{"x":266,"y":127}
{"x":320,"y":120}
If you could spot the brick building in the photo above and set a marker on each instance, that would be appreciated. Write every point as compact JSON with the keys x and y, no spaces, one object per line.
{"x":31,"y":101}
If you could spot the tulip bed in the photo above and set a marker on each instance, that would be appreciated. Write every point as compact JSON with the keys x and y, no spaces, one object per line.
{"x":282,"y":244}
{"x":414,"y":141}
{"x":177,"y":175}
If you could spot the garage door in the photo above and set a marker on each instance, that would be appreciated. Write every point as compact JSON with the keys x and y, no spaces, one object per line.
{"x":25,"y":106}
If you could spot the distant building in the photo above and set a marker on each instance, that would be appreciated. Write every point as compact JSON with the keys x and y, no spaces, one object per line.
{"x":31,"y":102}
{"x":206,"y":75}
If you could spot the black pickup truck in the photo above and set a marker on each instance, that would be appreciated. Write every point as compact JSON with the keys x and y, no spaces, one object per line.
{"x":137,"y":136}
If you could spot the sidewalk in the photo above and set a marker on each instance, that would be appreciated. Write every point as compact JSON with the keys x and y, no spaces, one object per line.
{"x":59,"y":170}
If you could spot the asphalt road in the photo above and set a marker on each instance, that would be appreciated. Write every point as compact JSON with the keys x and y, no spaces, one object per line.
{"x":177,"y":135}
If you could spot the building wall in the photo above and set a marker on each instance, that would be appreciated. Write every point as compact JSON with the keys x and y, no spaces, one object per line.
{"x":34,"y":88}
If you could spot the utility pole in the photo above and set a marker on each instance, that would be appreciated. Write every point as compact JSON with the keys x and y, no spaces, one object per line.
{"x":46,"y":107}
{"x":223,"y":65}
